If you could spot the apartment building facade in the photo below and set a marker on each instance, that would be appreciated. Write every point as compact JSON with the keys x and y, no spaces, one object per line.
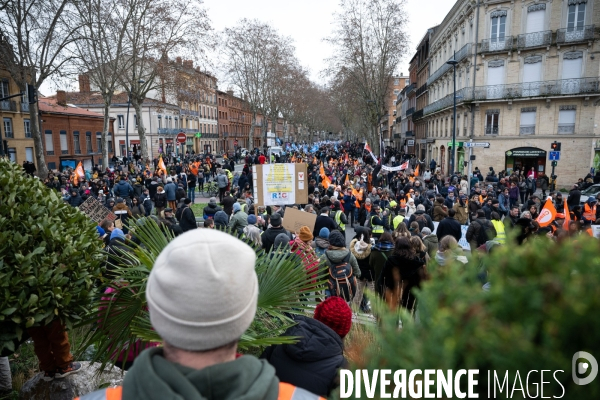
{"x":72,"y":134}
{"x":14,"y":115}
{"x":527,"y":74}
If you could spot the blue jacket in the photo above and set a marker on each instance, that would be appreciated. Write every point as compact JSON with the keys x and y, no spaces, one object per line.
{"x":123,"y":189}
{"x":170,"y":190}
{"x":349,"y":203}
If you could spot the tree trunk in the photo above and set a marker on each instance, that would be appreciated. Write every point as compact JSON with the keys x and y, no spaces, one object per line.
{"x":141,"y":130}
{"x":251,"y":133}
{"x":38,"y":143}
{"x":105,"y":132}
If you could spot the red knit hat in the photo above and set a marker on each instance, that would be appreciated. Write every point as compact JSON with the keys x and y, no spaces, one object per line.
{"x":336,"y":314}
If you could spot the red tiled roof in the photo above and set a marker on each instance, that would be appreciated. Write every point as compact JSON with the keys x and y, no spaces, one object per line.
{"x":94,"y":99}
{"x":49,"y":105}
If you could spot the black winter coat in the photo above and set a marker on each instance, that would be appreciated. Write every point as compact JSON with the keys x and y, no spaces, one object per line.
{"x":449,"y":226}
{"x":188,"y":220}
{"x":313,"y":362}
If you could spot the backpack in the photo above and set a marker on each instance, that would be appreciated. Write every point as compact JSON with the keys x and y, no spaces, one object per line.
{"x":482,"y":235}
{"x":342,"y":283}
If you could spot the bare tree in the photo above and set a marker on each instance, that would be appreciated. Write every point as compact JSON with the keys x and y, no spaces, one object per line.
{"x":159,"y":28}
{"x":369,"y":42}
{"x":34,"y":40}
{"x":253,"y":57}
{"x":101,"y":49}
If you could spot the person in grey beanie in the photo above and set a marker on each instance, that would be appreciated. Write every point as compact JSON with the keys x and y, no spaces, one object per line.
{"x":199,"y":357}
{"x":338,"y":252}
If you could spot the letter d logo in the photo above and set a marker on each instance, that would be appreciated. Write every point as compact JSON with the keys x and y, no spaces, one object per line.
{"x":582,"y":367}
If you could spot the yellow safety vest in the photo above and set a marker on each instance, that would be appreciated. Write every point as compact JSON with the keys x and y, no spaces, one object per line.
{"x":500,"y":234}
{"x":376,"y":229}
{"x":397,"y":220}
{"x":338,"y":220}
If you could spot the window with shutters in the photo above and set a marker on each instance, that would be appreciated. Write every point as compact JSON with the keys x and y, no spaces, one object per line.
{"x":566,"y":119}
{"x":76,"y":144}
{"x":64,"y":146}
{"x":571,"y":72}
{"x":527,"y":126}
{"x":576,"y":16}
{"x":532,"y":76}
{"x":492,"y":118}
{"x":27,"y":128}
{"x":49,"y":143}
{"x":8,"y":128}
{"x":498,"y":30}
{"x":495,"y":79}
{"x":99,"y":141}
{"x":88,"y":142}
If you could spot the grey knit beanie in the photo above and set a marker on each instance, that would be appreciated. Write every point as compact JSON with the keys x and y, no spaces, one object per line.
{"x":199,"y":304}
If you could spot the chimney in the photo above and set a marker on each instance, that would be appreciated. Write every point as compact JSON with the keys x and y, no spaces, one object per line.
{"x":179,"y":60}
{"x":188,"y":64}
{"x":84,"y":83}
{"x":230,"y":92}
{"x":61,"y":98}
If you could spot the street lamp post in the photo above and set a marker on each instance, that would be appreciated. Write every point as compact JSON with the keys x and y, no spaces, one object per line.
{"x":453,"y":62}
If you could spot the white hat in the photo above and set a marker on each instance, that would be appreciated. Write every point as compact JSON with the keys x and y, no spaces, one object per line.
{"x":202,"y":303}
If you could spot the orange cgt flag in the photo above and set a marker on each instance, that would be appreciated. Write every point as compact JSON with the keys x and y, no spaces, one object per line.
{"x":567,"y":216}
{"x":79,"y":170}
{"x":547,"y":214}
{"x":161,"y":166}
{"x":416,"y":173}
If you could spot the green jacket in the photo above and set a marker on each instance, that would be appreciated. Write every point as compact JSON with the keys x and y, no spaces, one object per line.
{"x":152,"y":377}
{"x":238,"y":221}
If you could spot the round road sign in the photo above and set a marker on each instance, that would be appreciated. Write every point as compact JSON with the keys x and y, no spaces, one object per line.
{"x":181,"y":138}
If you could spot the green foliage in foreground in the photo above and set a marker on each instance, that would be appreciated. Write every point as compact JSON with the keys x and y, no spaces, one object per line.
{"x":122,"y":318}
{"x":50,"y":257}
{"x":542,"y":308}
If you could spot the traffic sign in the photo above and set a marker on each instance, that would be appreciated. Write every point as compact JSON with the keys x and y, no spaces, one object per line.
{"x":554,"y":155}
{"x":477,"y":144}
{"x":181,"y":137}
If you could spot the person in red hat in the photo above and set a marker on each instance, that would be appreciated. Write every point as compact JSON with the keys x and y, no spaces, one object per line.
{"x":314,"y":361}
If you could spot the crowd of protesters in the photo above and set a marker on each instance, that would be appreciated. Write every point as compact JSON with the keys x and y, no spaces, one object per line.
{"x":406,"y":217}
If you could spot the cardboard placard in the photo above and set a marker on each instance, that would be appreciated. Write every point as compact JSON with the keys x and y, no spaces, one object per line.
{"x":285,"y":184}
{"x":295,"y":219}
{"x":96,"y":210}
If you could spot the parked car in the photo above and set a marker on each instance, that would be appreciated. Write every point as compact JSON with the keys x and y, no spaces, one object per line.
{"x":592,"y":191}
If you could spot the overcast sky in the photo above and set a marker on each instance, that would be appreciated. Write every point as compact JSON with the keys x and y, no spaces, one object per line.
{"x":309,"y":21}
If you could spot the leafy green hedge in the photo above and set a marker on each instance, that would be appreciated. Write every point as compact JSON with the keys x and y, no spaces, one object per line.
{"x":50,"y":257}
{"x":541,"y":309}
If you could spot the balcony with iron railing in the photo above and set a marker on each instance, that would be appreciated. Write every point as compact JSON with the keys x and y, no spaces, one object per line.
{"x":417,"y":114}
{"x":410,"y":111}
{"x":24,"y":107}
{"x":527,"y":129}
{"x":566,"y":128}
{"x":534,"y":39}
{"x":575,"y":34}
{"x":421,"y":90}
{"x":8,"y":105}
{"x":562,"y":87}
{"x":496,"y":44}
{"x":410,"y":88}
{"x":463,"y":53}
{"x":409,"y":134}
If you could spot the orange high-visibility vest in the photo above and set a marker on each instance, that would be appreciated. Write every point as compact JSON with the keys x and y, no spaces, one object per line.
{"x":286,"y":392}
{"x":589,"y":213}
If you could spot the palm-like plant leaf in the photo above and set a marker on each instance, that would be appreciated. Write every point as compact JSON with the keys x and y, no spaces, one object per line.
{"x":121,"y":318}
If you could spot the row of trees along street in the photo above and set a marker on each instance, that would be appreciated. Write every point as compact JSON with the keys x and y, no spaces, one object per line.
{"x":130,"y":45}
